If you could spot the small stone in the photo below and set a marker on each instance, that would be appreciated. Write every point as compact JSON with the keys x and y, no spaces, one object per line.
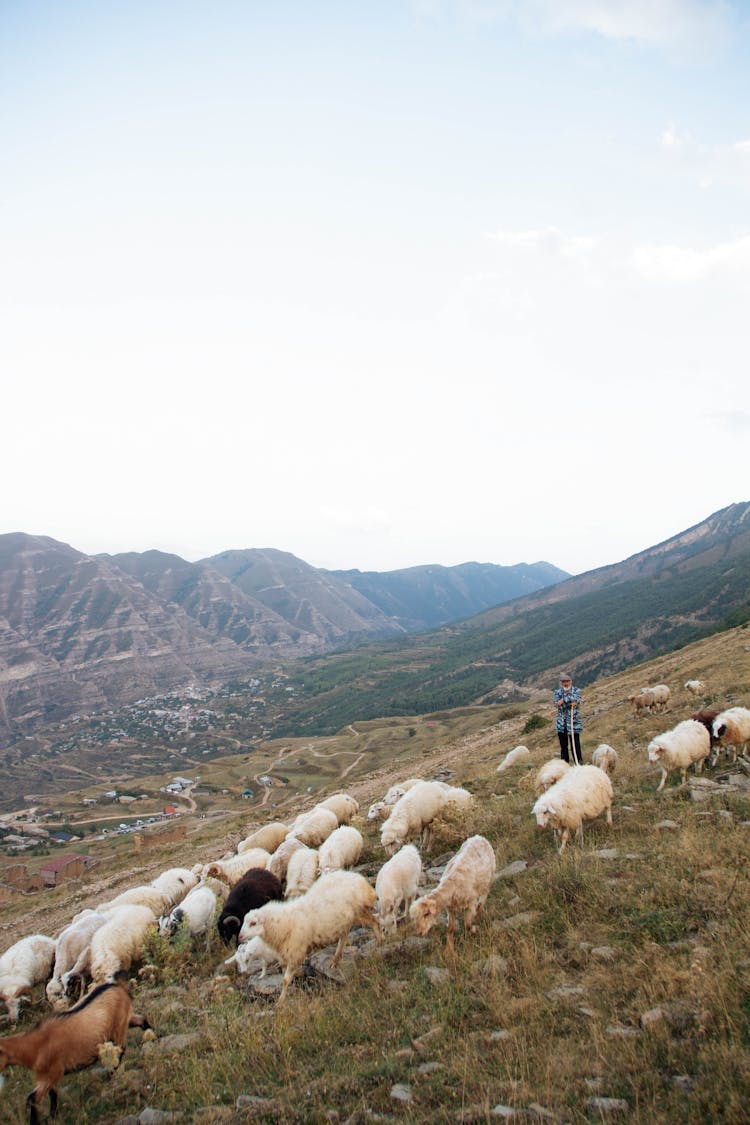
{"x":616,"y":1031}
{"x":422,"y":1044}
{"x":494,"y":966}
{"x":683,"y":1081}
{"x":607,"y":1105}
{"x":267,"y":986}
{"x":606,"y":853}
{"x":666,"y":826}
{"x":500,"y":1035}
{"x":401,"y":1092}
{"x":429,"y":1068}
{"x":604,"y":953}
{"x":588,"y":1012}
{"x":543,"y":1113}
{"x":526,"y":918}
{"x":252,"y":1101}
{"x":652,"y":1018}
{"x":405,"y":1054}
{"x":516,"y":868}
{"x":566,"y":992}
{"x":506,"y":1112}
{"x":437,"y":975}
{"x":594,"y":1083}
{"x":172,"y":1044}
{"x":151,"y":1116}
{"x":396,"y":986}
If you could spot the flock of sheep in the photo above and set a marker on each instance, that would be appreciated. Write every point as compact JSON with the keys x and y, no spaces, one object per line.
{"x":289,"y":889}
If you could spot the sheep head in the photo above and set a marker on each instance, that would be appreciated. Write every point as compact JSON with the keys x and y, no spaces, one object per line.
{"x":655,"y":751}
{"x":423,"y":915}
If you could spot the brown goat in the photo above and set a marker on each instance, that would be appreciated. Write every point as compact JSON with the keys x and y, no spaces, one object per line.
{"x":70,"y":1041}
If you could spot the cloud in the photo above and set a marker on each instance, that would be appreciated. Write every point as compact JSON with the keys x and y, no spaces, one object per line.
{"x":548,"y":240}
{"x":708,"y":164}
{"x":659,"y":23}
{"x":735,"y":423}
{"x":684,"y":264}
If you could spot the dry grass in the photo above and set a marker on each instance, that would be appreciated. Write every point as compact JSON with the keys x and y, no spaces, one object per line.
{"x":583,"y":944}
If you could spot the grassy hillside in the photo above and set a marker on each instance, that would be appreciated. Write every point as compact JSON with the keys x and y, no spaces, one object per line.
{"x":620,"y":970}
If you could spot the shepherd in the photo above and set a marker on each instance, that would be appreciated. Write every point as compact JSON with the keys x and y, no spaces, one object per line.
{"x":567,"y":700}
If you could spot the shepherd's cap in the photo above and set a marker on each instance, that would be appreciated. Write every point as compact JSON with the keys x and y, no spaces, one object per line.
{"x":565,"y":676}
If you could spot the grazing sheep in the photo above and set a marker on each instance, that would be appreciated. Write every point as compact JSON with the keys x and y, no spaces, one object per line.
{"x":695,"y":687}
{"x":380,"y":810}
{"x":249,"y":955}
{"x":268,"y":837}
{"x":254,"y":889}
{"x":731,"y":730}
{"x":70,"y":1041}
{"x":643,"y":700}
{"x":175,"y":883}
{"x":464,"y":887}
{"x":73,"y":946}
{"x":302,"y":871}
{"x":196,"y":910}
{"x":325,"y":914}
{"x":460,"y":798}
{"x":412,"y":814}
{"x":549,"y":773}
{"x":687,"y":744}
{"x":23,"y":965}
{"x":342,"y":849}
{"x":517,"y":754}
{"x":605,"y":757}
{"x":661,"y":695}
{"x":313,"y":827}
{"x":278,"y":864}
{"x":707,"y":716}
{"x":341,"y":805}
{"x":584,"y":792}
{"x":396,"y":885}
{"x":156,"y":901}
{"x":231,"y":870}
{"x":120,"y":941}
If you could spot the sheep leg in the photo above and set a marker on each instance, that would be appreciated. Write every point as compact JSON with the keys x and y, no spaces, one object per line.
{"x":609,"y":816}
{"x":339,"y":950}
{"x":288,"y":978}
{"x":663,"y":779}
{"x":449,"y":935}
{"x":565,"y":838}
{"x":699,"y":765}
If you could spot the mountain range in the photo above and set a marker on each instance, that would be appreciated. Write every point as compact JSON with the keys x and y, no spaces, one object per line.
{"x":83,"y":633}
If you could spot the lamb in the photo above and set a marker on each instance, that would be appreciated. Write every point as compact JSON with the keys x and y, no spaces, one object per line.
{"x":380,"y":810}
{"x":396,"y":885}
{"x":175,"y":883}
{"x":605,"y":757}
{"x":412,"y":814}
{"x":582,"y":793}
{"x":196,"y":910}
{"x":120,"y":941}
{"x":254,"y":889}
{"x":278,"y":864}
{"x":695,"y":687}
{"x":73,"y":950}
{"x":302,"y":871}
{"x":325,"y":914}
{"x":464,"y":886}
{"x":313,"y":827}
{"x":70,"y":1041}
{"x":23,"y":965}
{"x":513,"y":756}
{"x":231,"y":870}
{"x":549,"y":773}
{"x":342,"y":849}
{"x":250,"y":954}
{"x":642,"y":701}
{"x":268,"y":837}
{"x":341,"y":805}
{"x":731,"y":729}
{"x":687,"y":744}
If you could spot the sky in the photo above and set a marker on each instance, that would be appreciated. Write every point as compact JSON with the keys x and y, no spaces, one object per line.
{"x":381,"y":284}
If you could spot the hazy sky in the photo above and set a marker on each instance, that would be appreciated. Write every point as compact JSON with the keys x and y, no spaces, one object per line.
{"x":381,"y":283}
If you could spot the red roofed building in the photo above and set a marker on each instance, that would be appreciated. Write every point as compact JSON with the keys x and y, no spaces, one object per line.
{"x":57,"y":871}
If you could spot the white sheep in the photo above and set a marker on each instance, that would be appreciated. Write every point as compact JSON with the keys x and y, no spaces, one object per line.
{"x":695,"y":687}
{"x":73,"y":950}
{"x":313,"y":827}
{"x":731,"y":729}
{"x":380,"y":810}
{"x":157,"y":901}
{"x":120,"y":941}
{"x":278,"y":864}
{"x":661,"y":695}
{"x":175,"y":883}
{"x":342,"y":849}
{"x":464,"y":887}
{"x":549,"y":773}
{"x":251,"y":955}
{"x":197,"y":910}
{"x":687,"y":744}
{"x":644,"y":700}
{"x":584,"y":792}
{"x":413,"y":814}
{"x":323,"y":915}
{"x":268,"y":837}
{"x":396,"y":885}
{"x":23,"y":965}
{"x":341,"y":805}
{"x":231,"y":870}
{"x":301,"y":872}
{"x":605,"y":757}
{"x":517,"y":754}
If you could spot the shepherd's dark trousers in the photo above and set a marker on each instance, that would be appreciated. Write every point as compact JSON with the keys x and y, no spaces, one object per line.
{"x":564,"y":745}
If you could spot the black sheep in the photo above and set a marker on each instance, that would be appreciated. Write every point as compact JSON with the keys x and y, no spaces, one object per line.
{"x":256,"y":887}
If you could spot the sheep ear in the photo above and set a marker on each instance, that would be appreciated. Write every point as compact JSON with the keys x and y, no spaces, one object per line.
{"x":551,"y":810}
